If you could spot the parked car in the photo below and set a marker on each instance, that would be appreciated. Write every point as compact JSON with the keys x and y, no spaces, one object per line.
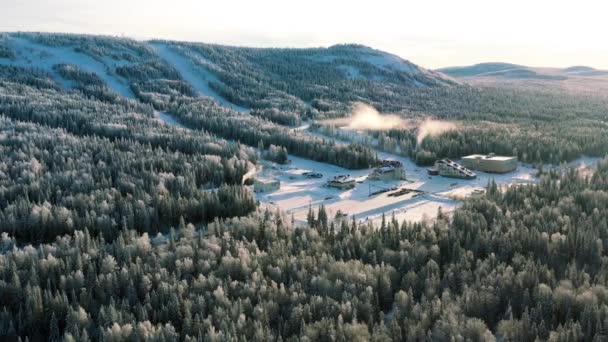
{"x":311,"y":174}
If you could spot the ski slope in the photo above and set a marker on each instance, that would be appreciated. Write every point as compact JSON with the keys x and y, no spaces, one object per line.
{"x":31,"y":54}
{"x":197,"y":76}
{"x":168,"y":119}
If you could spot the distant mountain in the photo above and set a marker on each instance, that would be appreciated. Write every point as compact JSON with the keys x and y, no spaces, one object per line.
{"x":585,"y":71}
{"x":505,"y":70}
{"x":579,"y":68}
{"x":478,"y":69}
{"x":514,"y":71}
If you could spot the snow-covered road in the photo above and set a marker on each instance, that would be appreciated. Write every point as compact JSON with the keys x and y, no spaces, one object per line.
{"x":168,"y":119}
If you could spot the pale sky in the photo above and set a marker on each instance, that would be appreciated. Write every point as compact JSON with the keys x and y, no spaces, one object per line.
{"x":431,"y":33}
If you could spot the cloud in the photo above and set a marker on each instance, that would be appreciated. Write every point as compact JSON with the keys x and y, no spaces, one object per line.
{"x":433,"y":128}
{"x":367,"y":117}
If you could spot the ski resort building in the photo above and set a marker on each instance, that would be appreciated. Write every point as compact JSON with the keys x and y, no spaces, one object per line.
{"x":448,"y":168}
{"x":390,"y":170}
{"x":265,"y":185}
{"x":342,"y":182}
{"x":490,"y":163}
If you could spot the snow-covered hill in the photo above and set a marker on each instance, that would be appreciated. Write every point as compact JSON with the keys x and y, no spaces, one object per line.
{"x":28,"y":53}
{"x":240,"y":78}
{"x":503,"y":70}
{"x":367,"y":57}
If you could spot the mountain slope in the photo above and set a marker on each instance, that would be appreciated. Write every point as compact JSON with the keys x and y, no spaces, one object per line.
{"x":199,"y":78}
{"x":29,"y":53}
{"x":237,"y":77}
{"x":293,"y":79}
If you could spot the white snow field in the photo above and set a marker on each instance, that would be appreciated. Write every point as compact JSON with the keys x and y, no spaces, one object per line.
{"x":168,"y":119}
{"x":32,"y":54}
{"x":297,"y":192}
{"x":197,"y":76}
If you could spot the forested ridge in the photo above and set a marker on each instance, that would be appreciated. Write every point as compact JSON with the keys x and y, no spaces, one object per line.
{"x":130,"y":120}
{"x":288,"y":78}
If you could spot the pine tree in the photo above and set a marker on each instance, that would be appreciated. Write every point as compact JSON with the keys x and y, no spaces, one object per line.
{"x":310,"y":217}
{"x":322,"y":217}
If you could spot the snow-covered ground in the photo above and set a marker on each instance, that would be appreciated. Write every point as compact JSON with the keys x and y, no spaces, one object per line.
{"x":197,"y":76}
{"x":297,"y":192}
{"x":352,"y":72}
{"x":168,"y":119}
{"x":585,"y":165}
{"x":388,"y":61}
{"x":31,"y":54}
{"x":303,"y":127}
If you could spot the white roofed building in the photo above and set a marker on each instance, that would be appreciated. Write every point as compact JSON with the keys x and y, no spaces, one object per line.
{"x":448,"y":168}
{"x":390,"y":170}
{"x":342,"y":182}
{"x":490,"y":163}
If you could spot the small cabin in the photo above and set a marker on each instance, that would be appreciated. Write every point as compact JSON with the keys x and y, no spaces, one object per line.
{"x":342,"y":182}
{"x":490,"y":163}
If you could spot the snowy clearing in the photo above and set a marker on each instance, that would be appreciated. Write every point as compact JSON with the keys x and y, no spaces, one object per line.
{"x":352,"y":73}
{"x":31,"y":54}
{"x":198,"y":77}
{"x":297,"y":192}
{"x":388,"y":61}
{"x":168,"y":119}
